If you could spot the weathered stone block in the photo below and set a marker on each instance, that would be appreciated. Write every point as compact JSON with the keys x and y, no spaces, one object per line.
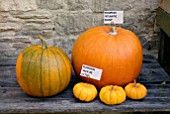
{"x":17,"y":5}
{"x":66,"y":45}
{"x":38,"y":14}
{"x":77,"y":5}
{"x":37,"y":26}
{"x":7,"y":33}
{"x":76,"y":23}
{"x":51,"y":4}
{"x":6,"y":49}
{"x":20,"y":45}
{"x":72,"y":5}
{"x":10,"y":27}
{"x":125,"y":5}
{"x":15,"y":39}
{"x":104,"y":5}
{"x":6,"y":17}
{"x":8,"y":53}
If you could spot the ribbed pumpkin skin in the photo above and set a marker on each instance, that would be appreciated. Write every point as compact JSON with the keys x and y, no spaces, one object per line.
{"x":120,"y":56}
{"x":84,"y":91}
{"x":112,"y":94}
{"x":135,"y":92}
{"x":43,"y":72}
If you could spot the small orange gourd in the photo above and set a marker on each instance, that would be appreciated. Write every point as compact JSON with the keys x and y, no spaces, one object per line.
{"x":135,"y":90}
{"x":112,"y":94}
{"x":84,"y":91}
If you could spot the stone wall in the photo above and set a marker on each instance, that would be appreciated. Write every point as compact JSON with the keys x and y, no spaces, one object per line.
{"x":60,"y":22}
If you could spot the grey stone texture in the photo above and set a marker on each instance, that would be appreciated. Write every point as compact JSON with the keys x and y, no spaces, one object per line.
{"x":60,"y":22}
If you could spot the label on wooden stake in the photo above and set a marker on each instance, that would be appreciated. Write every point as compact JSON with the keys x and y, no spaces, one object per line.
{"x":115,"y":16}
{"x":91,"y":72}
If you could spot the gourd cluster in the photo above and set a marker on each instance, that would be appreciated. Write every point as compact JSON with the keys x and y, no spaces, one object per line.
{"x":110,"y":94}
{"x":46,"y":70}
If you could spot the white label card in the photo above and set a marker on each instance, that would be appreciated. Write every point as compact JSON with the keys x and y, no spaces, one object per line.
{"x":92,"y":72}
{"x":115,"y":16}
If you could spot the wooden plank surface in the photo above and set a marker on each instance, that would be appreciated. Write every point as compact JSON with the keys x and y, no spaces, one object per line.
{"x":14,"y":100}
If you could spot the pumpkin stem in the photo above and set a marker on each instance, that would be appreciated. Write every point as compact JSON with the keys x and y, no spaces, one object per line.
{"x":88,"y":78}
{"x":135,"y":83}
{"x":44,"y":44}
{"x":112,"y":88}
{"x":113,"y":29}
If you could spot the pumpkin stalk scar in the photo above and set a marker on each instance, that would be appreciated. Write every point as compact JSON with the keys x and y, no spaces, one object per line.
{"x":88,"y":78}
{"x":44,"y":44}
{"x":113,"y":29}
{"x":135,"y":85}
{"x":112,"y":88}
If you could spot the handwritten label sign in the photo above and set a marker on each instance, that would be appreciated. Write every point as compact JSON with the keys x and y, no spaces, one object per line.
{"x":91,"y":72}
{"x":115,"y":16}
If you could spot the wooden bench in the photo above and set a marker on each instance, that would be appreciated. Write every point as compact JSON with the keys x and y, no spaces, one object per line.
{"x":163,"y":22}
{"x":14,"y":100}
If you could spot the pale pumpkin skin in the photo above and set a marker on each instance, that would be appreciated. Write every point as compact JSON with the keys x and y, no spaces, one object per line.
{"x":43,"y":71}
{"x":135,"y":91}
{"x":118,"y":55}
{"x":85,"y":91}
{"x":112,"y":94}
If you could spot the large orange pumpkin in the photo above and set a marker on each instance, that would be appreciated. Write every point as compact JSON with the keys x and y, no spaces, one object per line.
{"x":118,"y":53}
{"x":43,"y":71}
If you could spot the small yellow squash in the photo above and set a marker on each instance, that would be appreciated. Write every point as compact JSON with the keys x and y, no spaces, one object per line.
{"x":85,"y":91}
{"x":112,"y":94}
{"x":135,"y":90}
